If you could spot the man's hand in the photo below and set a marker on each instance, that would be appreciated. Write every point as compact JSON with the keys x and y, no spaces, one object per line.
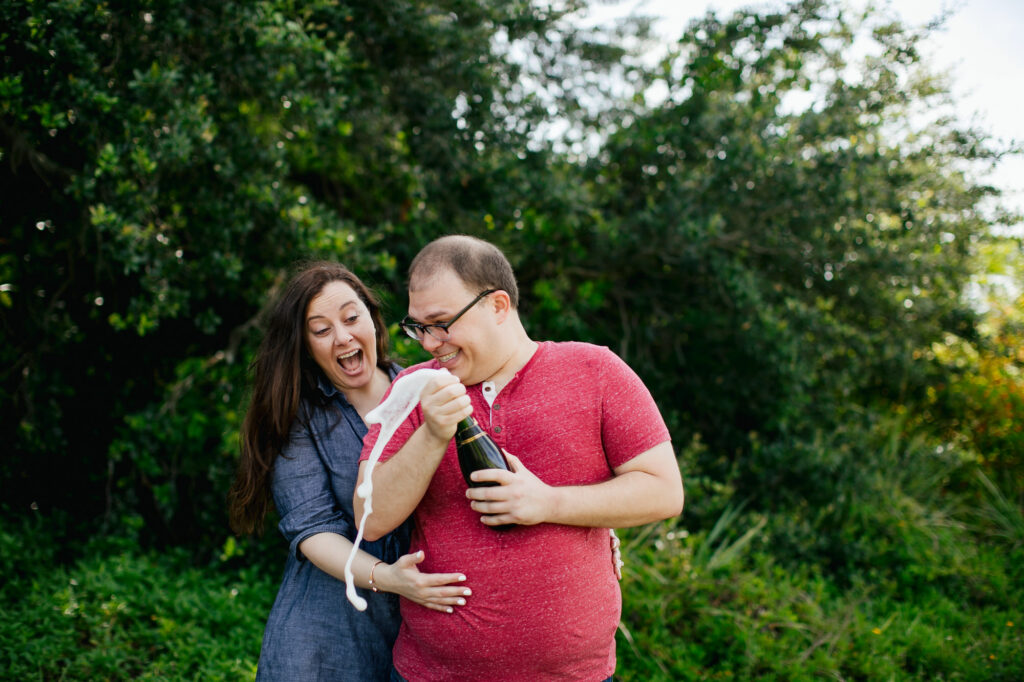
{"x":444,"y":403}
{"x":646,"y":488}
{"x":403,"y":479}
{"x":520,"y":497}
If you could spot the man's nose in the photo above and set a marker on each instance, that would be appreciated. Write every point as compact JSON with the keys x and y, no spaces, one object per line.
{"x":429,"y":343}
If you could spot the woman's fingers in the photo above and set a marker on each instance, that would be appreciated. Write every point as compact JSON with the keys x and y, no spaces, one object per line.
{"x":443,"y":596}
{"x":438,"y":579}
{"x":447,"y":595}
{"x":437,"y":591}
{"x":442,"y":602}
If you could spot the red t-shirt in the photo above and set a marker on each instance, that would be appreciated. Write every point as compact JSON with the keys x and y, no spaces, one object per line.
{"x":545,"y":603}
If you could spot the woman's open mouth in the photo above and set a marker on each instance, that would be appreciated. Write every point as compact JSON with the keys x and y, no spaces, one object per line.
{"x":352,"y":362}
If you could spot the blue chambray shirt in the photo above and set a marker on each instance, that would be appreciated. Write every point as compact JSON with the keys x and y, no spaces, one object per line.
{"x":313,"y":632}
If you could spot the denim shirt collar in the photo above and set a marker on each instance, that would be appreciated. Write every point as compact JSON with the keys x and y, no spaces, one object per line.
{"x":325,"y":386}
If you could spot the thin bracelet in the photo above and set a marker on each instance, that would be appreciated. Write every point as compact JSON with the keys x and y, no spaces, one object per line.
{"x":373,"y":586}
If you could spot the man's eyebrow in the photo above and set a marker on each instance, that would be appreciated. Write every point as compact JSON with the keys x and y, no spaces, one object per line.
{"x":430,"y":317}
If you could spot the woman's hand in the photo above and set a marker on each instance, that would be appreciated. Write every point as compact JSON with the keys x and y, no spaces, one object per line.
{"x":617,"y":561}
{"x":437,"y":591}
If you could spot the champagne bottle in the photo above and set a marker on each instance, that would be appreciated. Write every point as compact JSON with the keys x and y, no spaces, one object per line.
{"x":477,"y":451}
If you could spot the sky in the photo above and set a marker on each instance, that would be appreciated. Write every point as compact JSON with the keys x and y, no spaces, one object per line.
{"x":979,"y":45}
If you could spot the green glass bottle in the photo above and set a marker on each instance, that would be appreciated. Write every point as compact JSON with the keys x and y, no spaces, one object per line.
{"x":477,"y":451}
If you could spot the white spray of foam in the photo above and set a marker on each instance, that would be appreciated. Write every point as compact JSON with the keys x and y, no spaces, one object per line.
{"x":404,"y":396}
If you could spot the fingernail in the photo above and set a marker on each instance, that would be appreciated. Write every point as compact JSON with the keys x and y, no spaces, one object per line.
{"x":468,"y":592}
{"x":448,"y":610}
{"x":461,"y":602}
{"x":462,"y":577}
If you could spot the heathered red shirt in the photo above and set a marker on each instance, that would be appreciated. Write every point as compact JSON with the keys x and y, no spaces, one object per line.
{"x":545,"y":603}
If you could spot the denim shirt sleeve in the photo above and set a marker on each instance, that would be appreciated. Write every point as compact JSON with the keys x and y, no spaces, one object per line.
{"x":303,"y":493}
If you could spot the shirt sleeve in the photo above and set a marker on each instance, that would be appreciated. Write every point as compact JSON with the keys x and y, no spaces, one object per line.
{"x":631,"y":422}
{"x":302,"y":493}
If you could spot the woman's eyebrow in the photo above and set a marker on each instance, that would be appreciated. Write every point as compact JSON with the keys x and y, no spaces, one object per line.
{"x":341,"y":307}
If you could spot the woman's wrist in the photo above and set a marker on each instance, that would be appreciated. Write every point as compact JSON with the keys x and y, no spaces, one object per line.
{"x":375,"y":575}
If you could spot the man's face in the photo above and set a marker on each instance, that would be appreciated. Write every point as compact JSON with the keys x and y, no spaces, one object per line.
{"x":468,"y":352}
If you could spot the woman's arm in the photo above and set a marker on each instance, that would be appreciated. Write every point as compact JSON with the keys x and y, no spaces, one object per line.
{"x":329,"y":552}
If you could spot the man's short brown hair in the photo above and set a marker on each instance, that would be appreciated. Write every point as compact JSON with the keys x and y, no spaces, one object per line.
{"x":481,"y":265}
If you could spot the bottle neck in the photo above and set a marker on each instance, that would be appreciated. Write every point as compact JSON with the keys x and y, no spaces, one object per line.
{"x":467,"y":431}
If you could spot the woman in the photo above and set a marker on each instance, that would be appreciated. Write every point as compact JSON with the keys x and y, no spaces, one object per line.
{"x":321,"y":367}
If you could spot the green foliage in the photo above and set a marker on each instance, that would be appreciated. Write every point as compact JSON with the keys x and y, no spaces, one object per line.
{"x":117,"y":612}
{"x":150,"y":214}
{"x":777,"y":241}
{"x":784,"y":248}
{"x":919,"y":595}
{"x":175,"y":459}
{"x":165,"y":164}
{"x":731,"y":602}
{"x":985,"y":395}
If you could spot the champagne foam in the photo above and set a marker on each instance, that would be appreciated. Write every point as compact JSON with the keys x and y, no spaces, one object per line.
{"x":404,"y":396}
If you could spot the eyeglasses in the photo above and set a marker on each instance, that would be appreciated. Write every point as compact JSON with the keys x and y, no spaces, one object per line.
{"x":438,"y":331}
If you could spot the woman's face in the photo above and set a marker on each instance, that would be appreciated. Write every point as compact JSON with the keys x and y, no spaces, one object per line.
{"x":341,"y":337}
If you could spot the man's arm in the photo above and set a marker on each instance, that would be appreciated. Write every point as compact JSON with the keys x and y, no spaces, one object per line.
{"x":400,"y":483}
{"x":647,"y":488}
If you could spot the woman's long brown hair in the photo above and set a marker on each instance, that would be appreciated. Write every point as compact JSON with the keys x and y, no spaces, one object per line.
{"x":285,"y":377}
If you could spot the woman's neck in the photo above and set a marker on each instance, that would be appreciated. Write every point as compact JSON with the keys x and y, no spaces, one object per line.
{"x":365,"y":398}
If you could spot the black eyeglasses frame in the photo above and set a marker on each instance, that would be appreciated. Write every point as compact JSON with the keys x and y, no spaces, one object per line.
{"x":417,"y":330}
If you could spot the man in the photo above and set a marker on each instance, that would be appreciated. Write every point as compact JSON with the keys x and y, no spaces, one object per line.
{"x":588,"y":450}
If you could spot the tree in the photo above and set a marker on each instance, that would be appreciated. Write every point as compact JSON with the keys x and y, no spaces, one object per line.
{"x":773,"y":245}
{"x":165,"y":164}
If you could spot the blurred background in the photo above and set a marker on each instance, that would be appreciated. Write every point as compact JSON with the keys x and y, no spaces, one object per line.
{"x":799,"y":223}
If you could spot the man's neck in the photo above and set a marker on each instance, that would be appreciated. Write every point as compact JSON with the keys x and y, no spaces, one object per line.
{"x":521,"y":352}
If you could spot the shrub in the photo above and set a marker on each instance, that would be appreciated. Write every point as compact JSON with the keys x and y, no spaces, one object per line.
{"x":120,"y":613}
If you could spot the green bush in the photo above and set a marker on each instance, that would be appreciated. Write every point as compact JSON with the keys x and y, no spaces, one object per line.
{"x":757,"y":618}
{"x":892,"y":569}
{"x":119,"y":613}
{"x":893,"y":580}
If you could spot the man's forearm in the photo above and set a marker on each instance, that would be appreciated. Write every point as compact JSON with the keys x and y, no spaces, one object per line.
{"x":647,"y":489}
{"x":400,"y":483}
{"x":631,"y":499}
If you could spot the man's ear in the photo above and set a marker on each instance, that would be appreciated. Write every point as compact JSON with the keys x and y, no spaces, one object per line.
{"x":501,"y":304}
